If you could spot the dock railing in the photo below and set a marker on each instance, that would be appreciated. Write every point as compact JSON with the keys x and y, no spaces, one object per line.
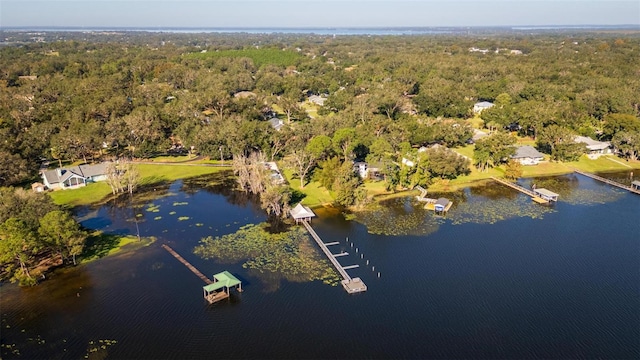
{"x":607,"y":181}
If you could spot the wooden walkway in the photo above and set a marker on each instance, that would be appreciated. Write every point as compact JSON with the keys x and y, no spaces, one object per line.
{"x":607,"y":181}
{"x":186,"y":263}
{"x":533,"y":195}
{"x":351,"y":285}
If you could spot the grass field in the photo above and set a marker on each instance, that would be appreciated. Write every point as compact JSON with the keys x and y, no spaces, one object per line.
{"x":150,"y":174}
{"x":313,"y":194}
{"x":259,"y":56}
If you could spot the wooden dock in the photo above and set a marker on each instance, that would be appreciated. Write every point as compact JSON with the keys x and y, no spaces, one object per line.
{"x":608,"y":181}
{"x":532,"y":194}
{"x":351,"y":285}
{"x":186,"y":263}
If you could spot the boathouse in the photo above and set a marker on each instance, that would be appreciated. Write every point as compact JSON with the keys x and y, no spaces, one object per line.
{"x":301,"y":212}
{"x":635,"y":185}
{"x":442,"y":205}
{"x":546,"y":194}
{"x":220,"y":288}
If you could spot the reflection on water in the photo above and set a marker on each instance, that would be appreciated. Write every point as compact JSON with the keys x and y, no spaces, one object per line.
{"x":498,"y":277}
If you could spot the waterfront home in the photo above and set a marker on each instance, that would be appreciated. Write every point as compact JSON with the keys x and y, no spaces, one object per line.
{"x":365,"y":170}
{"x":527,"y":155}
{"x":481,"y":106}
{"x":74,"y":176}
{"x":594,"y":148}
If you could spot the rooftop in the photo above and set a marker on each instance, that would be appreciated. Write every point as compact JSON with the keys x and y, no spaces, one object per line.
{"x":527,"y":151}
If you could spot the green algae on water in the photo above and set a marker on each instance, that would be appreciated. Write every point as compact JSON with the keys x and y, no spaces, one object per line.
{"x":273,"y":257}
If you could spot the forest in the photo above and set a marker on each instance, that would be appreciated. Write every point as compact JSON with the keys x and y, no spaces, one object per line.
{"x":315,"y":103}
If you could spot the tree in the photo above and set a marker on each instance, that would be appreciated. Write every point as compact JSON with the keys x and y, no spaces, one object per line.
{"x":344,"y":142}
{"x":59,"y":231}
{"x":613,"y":123}
{"x":319,"y":146}
{"x":302,"y":161}
{"x":627,"y":143}
{"x":327,"y":172}
{"x":513,"y":170}
{"x":347,"y":186}
{"x":560,"y":143}
{"x":446,"y":164}
{"x":493,"y":150}
{"x":18,"y":245}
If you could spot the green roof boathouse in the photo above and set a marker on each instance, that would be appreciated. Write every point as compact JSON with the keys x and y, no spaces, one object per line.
{"x":220,"y":287}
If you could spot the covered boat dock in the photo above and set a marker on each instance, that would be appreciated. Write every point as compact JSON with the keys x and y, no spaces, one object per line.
{"x":546,"y":194}
{"x":302,"y":213}
{"x":220,"y":287}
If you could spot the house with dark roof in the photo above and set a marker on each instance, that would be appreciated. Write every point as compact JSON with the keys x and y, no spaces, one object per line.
{"x":527,"y":155}
{"x":75,"y":176}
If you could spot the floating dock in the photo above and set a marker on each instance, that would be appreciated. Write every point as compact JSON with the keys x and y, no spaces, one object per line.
{"x":540,"y":196}
{"x":634,"y":188}
{"x":351,"y":285}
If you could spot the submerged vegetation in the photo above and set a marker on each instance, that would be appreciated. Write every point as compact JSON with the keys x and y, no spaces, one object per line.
{"x":288,"y":255}
{"x":399,"y":216}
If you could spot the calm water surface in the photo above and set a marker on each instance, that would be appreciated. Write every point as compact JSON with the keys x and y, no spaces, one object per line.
{"x":499,"y":277}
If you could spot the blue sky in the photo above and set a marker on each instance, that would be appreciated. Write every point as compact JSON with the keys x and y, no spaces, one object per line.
{"x":315,"y":13}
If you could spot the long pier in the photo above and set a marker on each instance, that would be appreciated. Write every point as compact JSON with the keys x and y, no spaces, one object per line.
{"x":187,"y":264}
{"x":533,"y":195}
{"x":607,"y":181}
{"x":351,"y":285}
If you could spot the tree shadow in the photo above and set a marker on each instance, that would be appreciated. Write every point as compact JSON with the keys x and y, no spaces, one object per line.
{"x":99,"y":245}
{"x":296,"y":196}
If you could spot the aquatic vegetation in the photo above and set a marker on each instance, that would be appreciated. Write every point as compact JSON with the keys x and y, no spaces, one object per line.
{"x":176,"y":203}
{"x":183,"y":218}
{"x":172,"y":213}
{"x":199,"y":224}
{"x":153,"y":208}
{"x":399,"y":216}
{"x":98,"y":349}
{"x":480,"y":211}
{"x":272,"y":257}
{"x":157,"y":218}
{"x":600,"y":195}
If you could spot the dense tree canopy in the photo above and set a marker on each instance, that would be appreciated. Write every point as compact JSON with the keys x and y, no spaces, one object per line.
{"x":92,"y":96}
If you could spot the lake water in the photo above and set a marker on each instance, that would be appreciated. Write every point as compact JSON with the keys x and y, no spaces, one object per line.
{"x":498,"y":277}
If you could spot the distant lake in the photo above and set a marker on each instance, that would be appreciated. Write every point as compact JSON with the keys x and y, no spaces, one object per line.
{"x":498,"y":277}
{"x":373,"y":31}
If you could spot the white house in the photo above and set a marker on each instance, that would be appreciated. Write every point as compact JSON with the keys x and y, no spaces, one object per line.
{"x":365,"y":170}
{"x":75,"y":176}
{"x":527,"y":155}
{"x":595,"y":148}
{"x":480,"y":106}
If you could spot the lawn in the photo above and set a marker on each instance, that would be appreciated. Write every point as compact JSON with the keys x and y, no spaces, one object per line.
{"x":150,"y":174}
{"x":314,"y":194}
